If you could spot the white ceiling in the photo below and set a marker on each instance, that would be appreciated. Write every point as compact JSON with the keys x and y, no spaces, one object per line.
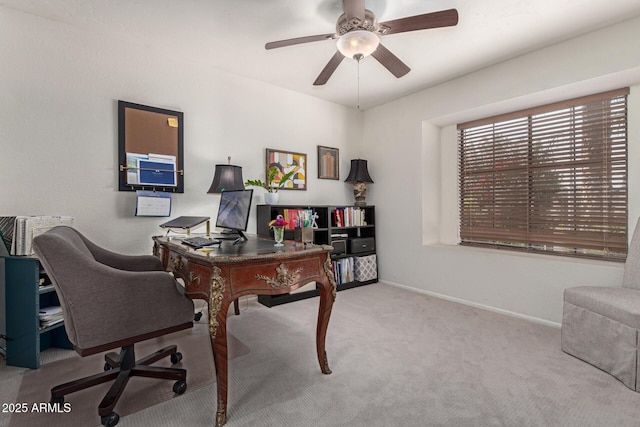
{"x":230,"y":35}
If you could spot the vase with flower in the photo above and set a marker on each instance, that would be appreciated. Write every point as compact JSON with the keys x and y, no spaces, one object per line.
{"x":278,"y":225}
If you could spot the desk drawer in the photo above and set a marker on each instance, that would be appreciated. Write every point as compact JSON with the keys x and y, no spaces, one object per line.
{"x":276,"y":276}
{"x":178,"y":265}
{"x":196,"y":277}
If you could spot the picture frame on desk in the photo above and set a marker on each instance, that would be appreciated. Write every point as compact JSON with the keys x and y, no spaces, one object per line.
{"x":328,"y":163}
{"x":287,"y":161}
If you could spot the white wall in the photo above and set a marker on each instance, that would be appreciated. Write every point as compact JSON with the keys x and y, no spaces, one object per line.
{"x":411,"y":146}
{"x":58,"y":145}
{"x":58,"y":128}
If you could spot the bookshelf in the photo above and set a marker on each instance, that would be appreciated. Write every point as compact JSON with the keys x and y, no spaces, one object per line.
{"x":27,"y":290}
{"x":350,"y":229}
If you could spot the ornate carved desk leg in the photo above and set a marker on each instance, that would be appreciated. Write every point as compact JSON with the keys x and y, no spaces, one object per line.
{"x":327,"y":288}
{"x":218,"y":306}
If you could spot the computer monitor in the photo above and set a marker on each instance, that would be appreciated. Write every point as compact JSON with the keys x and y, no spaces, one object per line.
{"x":233,"y":213}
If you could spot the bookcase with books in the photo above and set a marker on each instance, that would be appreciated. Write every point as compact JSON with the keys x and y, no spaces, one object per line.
{"x":349,"y":229}
{"x":34,"y":318}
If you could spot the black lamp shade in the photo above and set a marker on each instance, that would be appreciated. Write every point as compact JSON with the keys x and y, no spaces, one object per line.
{"x":358,"y":172}
{"x":227,"y":178}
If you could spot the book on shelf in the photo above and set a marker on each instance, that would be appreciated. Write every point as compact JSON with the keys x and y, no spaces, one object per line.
{"x":350,"y":216}
{"x":338,"y":218}
{"x":343,"y":270}
{"x":25,"y":228}
{"x":298,"y":218}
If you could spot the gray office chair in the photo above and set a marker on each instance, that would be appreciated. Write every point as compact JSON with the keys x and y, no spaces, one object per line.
{"x":108,"y":301}
{"x":600,"y":325}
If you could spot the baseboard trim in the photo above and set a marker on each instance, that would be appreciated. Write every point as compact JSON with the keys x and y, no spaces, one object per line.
{"x":475,"y":304}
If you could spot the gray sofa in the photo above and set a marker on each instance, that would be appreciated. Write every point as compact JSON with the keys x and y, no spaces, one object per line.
{"x":600,"y":324}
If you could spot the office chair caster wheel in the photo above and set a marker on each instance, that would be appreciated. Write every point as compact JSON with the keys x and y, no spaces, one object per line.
{"x":110,"y":420}
{"x":107,"y":367}
{"x":197,"y":316}
{"x":180,"y":387}
{"x":176,"y":357}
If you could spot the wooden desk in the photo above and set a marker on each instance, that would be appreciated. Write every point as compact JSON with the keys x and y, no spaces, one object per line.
{"x":255,"y":267}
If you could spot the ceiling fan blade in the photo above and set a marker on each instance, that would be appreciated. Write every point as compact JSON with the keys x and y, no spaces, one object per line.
{"x":390,"y":61}
{"x":443,"y":18}
{"x":299,"y":40}
{"x":353,"y":9}
{"x":328,"y":69}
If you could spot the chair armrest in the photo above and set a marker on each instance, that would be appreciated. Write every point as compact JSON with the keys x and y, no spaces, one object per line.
{"x":123,"y":262}
{"x":132,"y":262}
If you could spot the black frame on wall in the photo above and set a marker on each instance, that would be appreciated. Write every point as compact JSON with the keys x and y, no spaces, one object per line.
{"x":143,"y":129}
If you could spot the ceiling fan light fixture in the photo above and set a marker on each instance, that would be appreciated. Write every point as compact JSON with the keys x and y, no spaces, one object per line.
{"x":358,"y":44}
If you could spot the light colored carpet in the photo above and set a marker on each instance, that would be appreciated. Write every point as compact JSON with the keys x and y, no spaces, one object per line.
{"x":140,"y":392}
{"x":401,"y":359}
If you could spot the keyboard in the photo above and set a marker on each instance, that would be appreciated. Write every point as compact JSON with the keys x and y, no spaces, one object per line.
{"x":200,"y":242}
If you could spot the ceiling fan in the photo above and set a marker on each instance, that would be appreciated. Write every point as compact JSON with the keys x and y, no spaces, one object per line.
{"x":358,"y":31}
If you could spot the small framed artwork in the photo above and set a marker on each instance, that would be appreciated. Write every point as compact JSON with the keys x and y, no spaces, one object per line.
{"x":328,"y":163}
{"x":288,"y":162}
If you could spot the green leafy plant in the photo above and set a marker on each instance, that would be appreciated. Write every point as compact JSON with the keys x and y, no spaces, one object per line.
{"x":271,"y":185}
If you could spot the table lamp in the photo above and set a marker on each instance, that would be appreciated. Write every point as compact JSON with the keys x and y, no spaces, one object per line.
{"x":359,"y":176}
{"x":227,"y":178}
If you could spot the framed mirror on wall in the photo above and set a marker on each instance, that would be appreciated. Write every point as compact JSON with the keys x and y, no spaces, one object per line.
{"x":150,"y":148}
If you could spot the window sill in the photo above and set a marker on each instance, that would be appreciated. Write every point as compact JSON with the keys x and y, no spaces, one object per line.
{"x":525,"y":255}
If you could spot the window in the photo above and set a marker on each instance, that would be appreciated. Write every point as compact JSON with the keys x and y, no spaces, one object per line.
{"x":552,"y":179}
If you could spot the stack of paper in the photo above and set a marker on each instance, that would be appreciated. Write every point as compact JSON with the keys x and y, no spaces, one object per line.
{"x":28,"y":227}
{"x":50,"y":316}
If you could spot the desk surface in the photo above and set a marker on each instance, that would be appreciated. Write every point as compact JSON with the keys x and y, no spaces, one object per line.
{"x":223,"y":274}
{"x":254,"y":248}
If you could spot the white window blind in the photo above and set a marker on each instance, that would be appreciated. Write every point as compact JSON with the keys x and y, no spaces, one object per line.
{"x":551,"y":179}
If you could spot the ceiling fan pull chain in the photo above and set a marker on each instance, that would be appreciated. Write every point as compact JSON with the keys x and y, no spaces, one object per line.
{"x":358,"y":59}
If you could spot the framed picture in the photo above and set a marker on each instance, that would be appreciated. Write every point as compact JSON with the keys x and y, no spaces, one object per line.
{"x":150,"y":148}
{"x":286,"y":162}
{"x":328,"y":163}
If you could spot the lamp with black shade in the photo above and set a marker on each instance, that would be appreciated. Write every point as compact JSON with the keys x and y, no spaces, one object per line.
{"x":227,"y":178}
{"x":359,"y":176}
